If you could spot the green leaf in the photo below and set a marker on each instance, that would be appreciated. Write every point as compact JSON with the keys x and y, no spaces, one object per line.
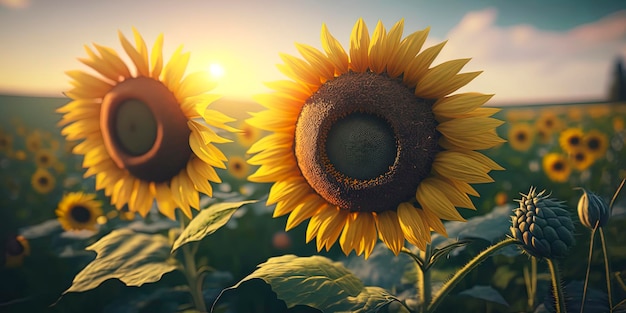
{"x":207,"y":222}
{"x":315,"y":281}
{"x":445,"y":250}
{"x":485,"y":293}
{"x":370,"y":300}
{"x":133,"y":258}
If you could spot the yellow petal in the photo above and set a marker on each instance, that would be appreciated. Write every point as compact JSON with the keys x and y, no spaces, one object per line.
{"x":455,"y":105}
{"x":319,"y":63}
{"x":359,"y":45}
{"x":412,"y":225}
{"x":140,"y":60}
{"x":309,"y":206}
{"x":156,"y":58}
{"x":336,"y":54}
{"x":457,"y":165}
{"x":435,"y":200}
{"x":165,"y":202}
{"x":416,"y":69}
{"x":377,"y":50}
{"x":390,"y":231}
{"x":333,"y":221}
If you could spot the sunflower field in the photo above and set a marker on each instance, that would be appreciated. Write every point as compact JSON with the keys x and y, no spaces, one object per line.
{"x":141,"y":191}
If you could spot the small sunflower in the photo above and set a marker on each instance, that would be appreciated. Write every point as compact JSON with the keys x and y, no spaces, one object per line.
{"x":618,"y":124}
{"x":237,"y":167}
{"x":571,"y":139}
{"x":580,"y":159}
{"x":16,"y":249}
{"x":557,"y":167}
{"x":521,"y":136}
{"x":141,"y":135}
{"x":596,"y":143}
{"x":34,"y":141}
{"x":44,"y":158}
{"x":369,"y":143}
{"x":78,"y":211}
{"x":575,"y":114}
{"x":42,"y":181}
{"x":6,"y":143}
{"x":247,"y":135}
{"x":548,"y":121}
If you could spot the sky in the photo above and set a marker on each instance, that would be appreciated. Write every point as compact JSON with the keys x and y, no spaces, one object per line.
{"x":531,"y":51}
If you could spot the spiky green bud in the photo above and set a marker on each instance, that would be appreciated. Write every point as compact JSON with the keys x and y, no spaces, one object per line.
{"x":542,"y":225}
{"x":593,"y":210}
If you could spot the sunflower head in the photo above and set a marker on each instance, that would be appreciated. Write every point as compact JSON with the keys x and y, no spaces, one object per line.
{"x":34,"y":141}
{"x":371,"y":142}
{"x":571,"y":139}
{"x":580,"y":159}
{"x":44,"y":158}
{"x":43,"y":181}
{"x":542,"y":225}
{"x":142,"y":134}
{"x":238,"y":167}
{"x":521,"y":136}
{"x":16,"y":249}
{"x":78,"y":211}
{"x":596,"y":143}
{"x":557,"y":167}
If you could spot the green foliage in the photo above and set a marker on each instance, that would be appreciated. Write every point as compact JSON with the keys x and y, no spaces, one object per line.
{"x":207,"y":222}
{"x":133,"y":258}
{"x":320,"y":283}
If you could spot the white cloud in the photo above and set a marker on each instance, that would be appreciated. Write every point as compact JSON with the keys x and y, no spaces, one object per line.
{"x":523,"y":64}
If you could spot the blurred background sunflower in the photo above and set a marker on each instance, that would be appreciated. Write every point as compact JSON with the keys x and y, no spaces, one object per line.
{"x":369,"y":143}
{"x":596,"y":143}
{"x":557,"y":167}
{"x":571,"y":139}
{"x":145,"y":130}
{"x":43,"y":181}
{"x":16,"y":249}
{"x":79,"y":211}
{"x":44,"y":158}
{"x":521,"y":136}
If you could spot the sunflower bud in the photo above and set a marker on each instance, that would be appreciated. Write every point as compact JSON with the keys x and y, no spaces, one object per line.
{"x":593,"y":210}
{"x":542,"y":225}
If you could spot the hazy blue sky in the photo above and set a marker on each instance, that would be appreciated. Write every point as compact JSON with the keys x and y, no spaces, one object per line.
{"x":530,"y":50}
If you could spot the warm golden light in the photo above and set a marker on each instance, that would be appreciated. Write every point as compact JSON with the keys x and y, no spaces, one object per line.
{"x":216,"y":70}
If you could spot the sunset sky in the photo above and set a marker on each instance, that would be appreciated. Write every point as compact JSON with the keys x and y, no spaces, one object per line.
{"x":530,"y":51}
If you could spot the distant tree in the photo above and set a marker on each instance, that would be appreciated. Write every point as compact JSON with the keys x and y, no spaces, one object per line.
{"x":618,"y":85}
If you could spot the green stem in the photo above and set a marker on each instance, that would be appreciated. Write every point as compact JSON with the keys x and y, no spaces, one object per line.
{"x":530,"y":278}
{"x":593,"y":233}
{"x":424,"y":281}
{"x":607,"y":268}
{"x":449,"y":285}
{"x":557,"y":289}
{"x":190,"y":270}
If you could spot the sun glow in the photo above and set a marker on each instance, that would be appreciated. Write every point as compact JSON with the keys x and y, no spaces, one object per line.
{"x":216,"y":70}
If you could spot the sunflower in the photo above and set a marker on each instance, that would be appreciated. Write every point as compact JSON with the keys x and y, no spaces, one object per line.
{"x":557,"y":167}
{"x":16,"y":249}
{"x":548,"y":122}
{"x":618,"y":124}
{"x":370,"y":143}
{"x":44,"y":158}
{"x":596,"y":143}
{"x":34,"y":141}
{"x":237,"y":167}
{"x":571,"y":139}
{"x":247,"y":135}
{"x":78,"y":211}
{"x":6,"y":143}
{"x":19,"y":155}
{"x":521,"y":136}
{"x":580,"y":159}
{"x":42,"y":181}
{"x":143,"y":139}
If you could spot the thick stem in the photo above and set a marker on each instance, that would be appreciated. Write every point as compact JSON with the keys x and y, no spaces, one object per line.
{"x":449,"y":285}
{"x":593,"y":233}
{"x":190,"y":270}
{"x":557,"y":289}
{"x":423,"y":280}
{"x":607,"y":268}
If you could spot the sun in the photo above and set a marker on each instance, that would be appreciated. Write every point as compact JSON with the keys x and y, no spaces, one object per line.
{"x":216,"y":70}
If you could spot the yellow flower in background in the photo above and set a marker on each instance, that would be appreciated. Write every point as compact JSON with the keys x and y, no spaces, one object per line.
{"x":16,"y":249}
{"x":543,"y":136}
{"x":501,"y":198}
{"x":19,"y":155}
{"x":571,"y":139}
{"x":548,"y":122}
{"x":557,"y":167}
{"x":78,"y":211}
{"x":42,"y":181}
{"x":596,"y":143}
{"x":618,"y":123}
{"x":6,"y":143}
{"x":44,"y":158}
{"x":575,"y":113}
{"x":581,"y":159}
{"x":521,"y":136}
{"x":141,"y":135}
{"x":369,"y":143}
{"x":598,"y":110}
{"x":247,"y":134}
{"x":237,"y":167}
{"x":34,"y":141}
{"x":59,"y":167}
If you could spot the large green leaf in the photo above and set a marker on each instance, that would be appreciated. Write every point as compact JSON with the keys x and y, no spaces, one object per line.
{"x":320,"y":283}
{"x":208,"y":221}
{"x":133,"y":258}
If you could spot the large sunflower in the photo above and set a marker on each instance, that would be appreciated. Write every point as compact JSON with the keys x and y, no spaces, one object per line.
{"x":42,"y":181}
{"x":521,"y":136}
{"x":78,"y":211}
{"x":370,"y":143}
{"x":142,"y":139}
